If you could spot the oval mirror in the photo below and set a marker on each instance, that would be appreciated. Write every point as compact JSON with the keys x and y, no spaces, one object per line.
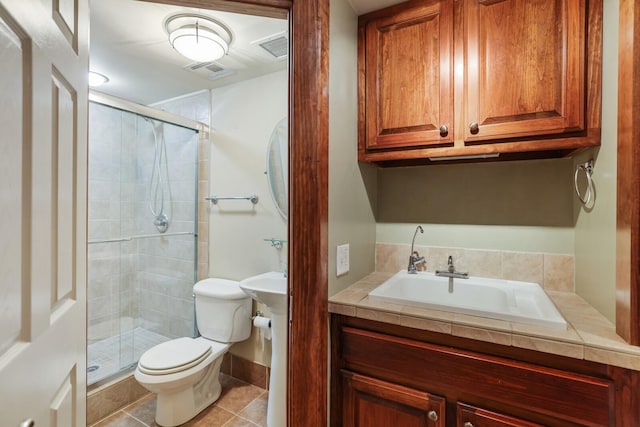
{"x":277,"y":167}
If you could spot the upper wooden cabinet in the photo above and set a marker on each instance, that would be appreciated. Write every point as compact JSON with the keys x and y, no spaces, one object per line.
{"x":409,"y":86}
{"x":518,"y":78}
{"x":524,"y":67}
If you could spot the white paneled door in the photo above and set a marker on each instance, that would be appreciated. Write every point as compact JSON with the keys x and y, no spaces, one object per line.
{"x":43,"y":191}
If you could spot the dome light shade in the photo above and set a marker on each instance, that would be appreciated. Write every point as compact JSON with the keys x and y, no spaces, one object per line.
{"x":197,"y":37}
{"x":198,"y":43}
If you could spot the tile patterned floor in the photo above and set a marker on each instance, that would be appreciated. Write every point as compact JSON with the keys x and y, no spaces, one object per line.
{"x":240,"y":405}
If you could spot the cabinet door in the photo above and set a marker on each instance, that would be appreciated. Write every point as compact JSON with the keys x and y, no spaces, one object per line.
{"x":369,"y":402}
{"x":524,"y":65}
{"x":471,"y":416}
{"x":408,"y":77}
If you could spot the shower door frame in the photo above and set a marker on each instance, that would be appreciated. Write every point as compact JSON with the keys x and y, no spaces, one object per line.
{"x":201,"y":227}
{"x":143,"y":110}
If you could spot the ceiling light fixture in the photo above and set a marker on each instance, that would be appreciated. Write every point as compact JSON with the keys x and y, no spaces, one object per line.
{"x":198,"y":37}
{"x":97,"y":79}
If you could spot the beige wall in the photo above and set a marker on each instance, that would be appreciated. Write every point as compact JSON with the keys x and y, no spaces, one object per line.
{"x":351,"y":217}
{"x":517,"y":206}
{"x":596,"y":229}
{"x":243,"y":117}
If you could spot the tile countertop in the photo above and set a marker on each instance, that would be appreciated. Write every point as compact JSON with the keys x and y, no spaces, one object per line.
{"x":589,"y":335}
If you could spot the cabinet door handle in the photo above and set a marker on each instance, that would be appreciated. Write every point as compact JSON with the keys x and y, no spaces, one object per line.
{"x":444,"y":130}
{"x":468,"y":424}
{"x":474,"y":127}
{"x":433,"y":415}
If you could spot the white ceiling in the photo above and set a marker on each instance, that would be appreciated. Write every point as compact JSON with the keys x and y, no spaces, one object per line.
{"x":129,"y":45}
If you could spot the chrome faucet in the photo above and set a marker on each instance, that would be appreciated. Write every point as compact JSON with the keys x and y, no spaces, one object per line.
{"x":451,"y":271}
{"x":414,"y":257}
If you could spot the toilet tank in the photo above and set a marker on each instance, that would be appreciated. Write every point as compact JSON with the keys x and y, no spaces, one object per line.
{"x":223,"y":310}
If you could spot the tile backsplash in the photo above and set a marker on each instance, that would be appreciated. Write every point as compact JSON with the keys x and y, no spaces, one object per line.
{"x":553,"y":272}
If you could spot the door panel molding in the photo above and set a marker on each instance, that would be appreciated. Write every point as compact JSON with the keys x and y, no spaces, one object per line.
{"x":14,"y":185}
{"x":65,"y":15}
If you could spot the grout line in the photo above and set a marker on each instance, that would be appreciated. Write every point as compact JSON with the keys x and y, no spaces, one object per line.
{"x":120,"y":412}
{"x":242,"y":418}
{"x":140,"y":421}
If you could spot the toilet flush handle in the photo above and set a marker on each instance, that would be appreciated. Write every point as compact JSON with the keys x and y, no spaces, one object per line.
{"x":28,"y":423}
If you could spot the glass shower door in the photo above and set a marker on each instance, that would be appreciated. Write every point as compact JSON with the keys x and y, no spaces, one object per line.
{"x":142,"y":236}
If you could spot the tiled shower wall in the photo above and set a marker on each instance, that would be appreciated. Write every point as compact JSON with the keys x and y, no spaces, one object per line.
{"x":166,"y":265}
{"x":112,"y":266}
{"x":197,"y":106}
{"x":141,"y":282}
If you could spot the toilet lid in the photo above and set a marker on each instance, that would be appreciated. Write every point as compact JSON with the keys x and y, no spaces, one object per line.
{"x":174,"y":356}
{"x":220,"y":288}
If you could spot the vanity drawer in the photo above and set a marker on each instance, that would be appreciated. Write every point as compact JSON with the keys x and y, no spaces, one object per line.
{"x":477,"y":378}
{"x":470,"y":416}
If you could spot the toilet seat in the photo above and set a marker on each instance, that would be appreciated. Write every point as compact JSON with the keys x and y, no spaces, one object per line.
{"x":174,"y":356}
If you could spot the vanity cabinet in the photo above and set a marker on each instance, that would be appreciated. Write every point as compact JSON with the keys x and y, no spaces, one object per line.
{"x":471,"y":416}
{"x":383,"y":372}
{"x":512,"y":78}
{"x":369,"y":402}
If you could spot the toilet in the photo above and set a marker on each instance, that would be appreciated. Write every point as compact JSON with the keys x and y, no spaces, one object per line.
{"x":184,"y":372}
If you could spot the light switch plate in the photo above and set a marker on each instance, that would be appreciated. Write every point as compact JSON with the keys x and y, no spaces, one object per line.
{"x":342,"y":259}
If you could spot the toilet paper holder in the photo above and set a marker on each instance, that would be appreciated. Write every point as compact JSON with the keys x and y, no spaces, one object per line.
{"x":259,"y":314}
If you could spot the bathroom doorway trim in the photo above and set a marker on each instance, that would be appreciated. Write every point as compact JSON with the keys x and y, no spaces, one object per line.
{"x":307,"y":361}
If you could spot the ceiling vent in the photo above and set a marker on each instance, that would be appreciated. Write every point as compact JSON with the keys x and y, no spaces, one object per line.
{"x":208,"y":70}
{"x":211,"y":66}
{"x":277,"y":45}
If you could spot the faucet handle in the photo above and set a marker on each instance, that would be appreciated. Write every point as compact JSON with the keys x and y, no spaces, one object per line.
{"x":414,"y":260}
{"x":411,"y":269}
{"x":450,"y":266}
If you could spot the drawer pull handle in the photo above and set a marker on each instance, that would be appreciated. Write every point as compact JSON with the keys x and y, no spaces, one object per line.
{"x":444,"y":130}
{"x":474,"y":127}
{"x":433,"y":415}
{"x":468,"y":424}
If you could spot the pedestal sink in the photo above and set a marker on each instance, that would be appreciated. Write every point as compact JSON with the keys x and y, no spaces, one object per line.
{"x":270,"y":289}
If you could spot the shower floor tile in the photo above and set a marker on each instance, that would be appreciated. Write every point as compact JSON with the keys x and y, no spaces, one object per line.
{"x":109,"y":356}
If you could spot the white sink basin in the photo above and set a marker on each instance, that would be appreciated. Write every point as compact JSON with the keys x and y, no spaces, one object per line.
{"x":509,"y":300}
{"x":269,"y":289}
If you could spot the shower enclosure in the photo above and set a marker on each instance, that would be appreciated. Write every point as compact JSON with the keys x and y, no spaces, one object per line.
{"x":142,"y":236}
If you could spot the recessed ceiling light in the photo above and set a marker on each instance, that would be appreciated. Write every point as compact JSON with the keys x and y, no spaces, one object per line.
{"x":97,"y":79}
